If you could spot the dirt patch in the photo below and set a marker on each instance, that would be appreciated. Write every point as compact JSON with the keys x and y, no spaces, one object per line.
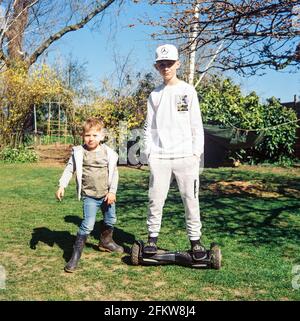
{"x":53,"y":154}
{"x":159,"y":284}
{"x":85,"y":290}
{"x":16,"y":258}
{"x":255,"y":188}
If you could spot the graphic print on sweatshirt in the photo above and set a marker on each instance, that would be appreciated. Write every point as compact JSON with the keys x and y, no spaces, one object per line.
{"x":182,"y":102}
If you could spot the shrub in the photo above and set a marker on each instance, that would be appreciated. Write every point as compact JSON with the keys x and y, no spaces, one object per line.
{"x":21,"y":89}
{"x":18,"y":155}
{"x":279,"y":136}
{"x":223,"y":104}
{"x":118,"y":111}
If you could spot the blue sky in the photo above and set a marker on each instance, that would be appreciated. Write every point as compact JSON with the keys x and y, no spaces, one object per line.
{"x":97,"y":49}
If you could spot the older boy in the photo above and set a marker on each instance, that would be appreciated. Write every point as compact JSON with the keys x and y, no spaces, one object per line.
{"x":97,"y":181}
{"x":174,"y":143}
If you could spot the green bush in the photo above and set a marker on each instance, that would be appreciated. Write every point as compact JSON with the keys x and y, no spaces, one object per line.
{"x":280,"y":133}
{"x":18,"y":155}
{"x":223,"y":104}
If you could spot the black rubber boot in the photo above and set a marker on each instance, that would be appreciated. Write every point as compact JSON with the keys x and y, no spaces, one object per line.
{"x":107,"y":244}
{"x":198,"y":251}
{"x":151,"y":247}
{"x":77,"y":250}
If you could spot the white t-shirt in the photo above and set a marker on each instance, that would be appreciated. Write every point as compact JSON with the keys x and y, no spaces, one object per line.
{"x":173,"y":125}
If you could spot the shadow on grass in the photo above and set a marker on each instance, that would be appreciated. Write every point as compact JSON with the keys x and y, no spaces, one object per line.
{"x":120,"y":236}
{"x":251,"y":219}
{"x":65,"y":240}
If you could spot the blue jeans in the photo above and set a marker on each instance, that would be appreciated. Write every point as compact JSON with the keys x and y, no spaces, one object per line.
{"x":90,"y":209}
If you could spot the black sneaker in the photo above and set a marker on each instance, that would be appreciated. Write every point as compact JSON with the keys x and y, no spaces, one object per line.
{"x":198,"y":252}
{"x":150,"y":247}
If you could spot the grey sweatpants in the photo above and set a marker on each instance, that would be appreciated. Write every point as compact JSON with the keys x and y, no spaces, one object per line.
{"x":186,"y":172}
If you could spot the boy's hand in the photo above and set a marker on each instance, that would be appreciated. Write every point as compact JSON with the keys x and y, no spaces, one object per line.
{"x":60,"y":193}
{"x":110,"y":198}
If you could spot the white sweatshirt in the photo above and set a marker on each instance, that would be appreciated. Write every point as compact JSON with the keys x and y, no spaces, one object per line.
{"x":173,"y":126}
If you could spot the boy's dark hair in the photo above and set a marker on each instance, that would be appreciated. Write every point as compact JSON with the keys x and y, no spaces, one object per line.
{"x":92,"y":122}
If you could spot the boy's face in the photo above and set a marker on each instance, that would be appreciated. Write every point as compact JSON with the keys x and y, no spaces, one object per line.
{"x":92,"y":138}
{"x":167,"y":68}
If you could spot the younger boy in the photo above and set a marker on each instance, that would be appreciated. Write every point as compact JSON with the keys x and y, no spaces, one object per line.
{"x":174,"y":143}
{"x":97,"y":177}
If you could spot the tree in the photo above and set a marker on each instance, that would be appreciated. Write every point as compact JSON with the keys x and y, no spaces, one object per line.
{"x":74,"y":75}
{"x":20,"y":91}
{"x":29,"y":27}
{"x":252,"y":34}
{"x":130,"y":109}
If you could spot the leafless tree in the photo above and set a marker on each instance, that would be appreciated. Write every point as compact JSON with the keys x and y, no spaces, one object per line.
{"x":29,"y":27}
{"x":252,"y":34}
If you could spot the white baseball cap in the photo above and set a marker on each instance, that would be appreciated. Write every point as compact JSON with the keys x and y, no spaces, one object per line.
{"x":166,"y":52}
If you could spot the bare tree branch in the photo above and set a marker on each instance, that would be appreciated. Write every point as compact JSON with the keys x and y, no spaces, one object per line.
{"x":256,"y":34}
{"x":29,"y":27}
{"x":32,"y":59}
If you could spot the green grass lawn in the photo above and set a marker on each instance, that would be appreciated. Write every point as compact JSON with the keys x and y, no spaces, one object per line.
{"x":254,"y":215}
